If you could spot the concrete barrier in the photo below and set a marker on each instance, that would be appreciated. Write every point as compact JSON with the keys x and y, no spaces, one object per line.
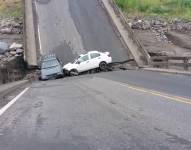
{"x":29,"y":34}
{"x":141,"y":56}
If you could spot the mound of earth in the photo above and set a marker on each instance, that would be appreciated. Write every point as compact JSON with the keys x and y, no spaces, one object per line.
{"x":161,"y":38}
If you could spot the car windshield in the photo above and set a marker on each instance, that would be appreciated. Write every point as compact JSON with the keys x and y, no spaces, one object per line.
{"x":75,"y":60}
{"x":49,"y":64}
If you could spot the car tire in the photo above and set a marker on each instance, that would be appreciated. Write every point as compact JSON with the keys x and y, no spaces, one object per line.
{"x":103,"y":66}
{"x":74,"y":72}
{"x":40,"y":79}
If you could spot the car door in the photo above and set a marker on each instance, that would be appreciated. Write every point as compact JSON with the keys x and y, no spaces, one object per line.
{"x":95,"y":59}
{"x":84,"y":63}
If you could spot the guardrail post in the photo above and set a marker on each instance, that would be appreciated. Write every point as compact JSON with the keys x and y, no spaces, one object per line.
{"x":186,"y":67}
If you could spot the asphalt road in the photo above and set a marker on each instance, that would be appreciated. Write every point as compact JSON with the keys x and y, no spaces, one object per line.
{"x":71,"y":27}
{"x":101,"y":112}
{"x":122,"y":110}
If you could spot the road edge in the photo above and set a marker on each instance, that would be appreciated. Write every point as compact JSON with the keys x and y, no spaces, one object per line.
{"x":10,"y":87}
{"x":8,"y":105}
{"x":170,"y":71}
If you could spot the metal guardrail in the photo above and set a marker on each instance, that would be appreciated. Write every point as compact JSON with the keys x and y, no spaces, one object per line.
{"x":167,"y":62}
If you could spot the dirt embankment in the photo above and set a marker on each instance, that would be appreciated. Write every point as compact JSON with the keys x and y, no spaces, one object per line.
{"x":11,"y":40}
{"x":162,"y":38}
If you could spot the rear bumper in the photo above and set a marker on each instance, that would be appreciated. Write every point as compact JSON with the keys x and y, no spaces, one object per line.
{"x":52,"y":76}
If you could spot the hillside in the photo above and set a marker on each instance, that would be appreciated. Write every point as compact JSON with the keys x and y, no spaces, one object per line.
{"x":10,"y":8}
{"x":164,"y":8}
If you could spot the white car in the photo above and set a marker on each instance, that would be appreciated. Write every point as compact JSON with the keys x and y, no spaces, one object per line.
{"x":88,"y":61}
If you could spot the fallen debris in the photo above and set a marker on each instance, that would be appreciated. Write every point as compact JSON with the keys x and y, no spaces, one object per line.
{"x":16,"y":46}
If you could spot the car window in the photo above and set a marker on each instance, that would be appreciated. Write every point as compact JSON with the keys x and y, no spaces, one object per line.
{"x":94,"y":55}
{"x":50,"y":63}
{"x":84,"y":58}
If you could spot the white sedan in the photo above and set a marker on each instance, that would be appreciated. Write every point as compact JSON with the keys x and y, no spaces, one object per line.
{"x":88,"y":61}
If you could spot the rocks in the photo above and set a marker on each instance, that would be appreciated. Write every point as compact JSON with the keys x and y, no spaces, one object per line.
{"x":10,"y":26}
{"x":14,"y":50}
{"x":146,"y":24}
{"x":3,"y":47}
{"x":156,"y":25}
{"x":16,"y":46}
{"x":19,"y":51}
{"x":6,"y":30}
{"x":140,"y":25}
{"x":180,"y":25}
{"x":160,"y":27}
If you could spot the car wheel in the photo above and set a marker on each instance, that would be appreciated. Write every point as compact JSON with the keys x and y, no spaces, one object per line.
{"x":103,"y":66}
{"x":74,"y":72}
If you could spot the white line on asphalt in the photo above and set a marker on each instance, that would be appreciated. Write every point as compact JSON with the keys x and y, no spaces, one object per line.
{"x":3,"y":110}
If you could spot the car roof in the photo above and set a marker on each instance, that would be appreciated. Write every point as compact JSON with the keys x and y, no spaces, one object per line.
{"x":93,"y":52}
{"x":48,"y":57}
{"x":89,"y":53}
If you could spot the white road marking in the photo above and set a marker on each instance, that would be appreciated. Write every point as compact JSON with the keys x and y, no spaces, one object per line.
{"x":4,"y":109}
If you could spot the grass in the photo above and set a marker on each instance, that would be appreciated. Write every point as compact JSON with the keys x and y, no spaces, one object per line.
{"x":11,"y":8}
{"x":164,"y":8}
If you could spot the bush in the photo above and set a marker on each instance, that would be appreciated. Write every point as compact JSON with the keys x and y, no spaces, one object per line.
{"x":170,"y":8}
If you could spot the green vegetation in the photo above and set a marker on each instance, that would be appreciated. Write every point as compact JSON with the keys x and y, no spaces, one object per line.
{"x":10,"y":8}
{"x":164,"y":8}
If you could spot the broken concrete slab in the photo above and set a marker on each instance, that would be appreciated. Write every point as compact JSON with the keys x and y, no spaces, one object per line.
{"x":16,"y":46}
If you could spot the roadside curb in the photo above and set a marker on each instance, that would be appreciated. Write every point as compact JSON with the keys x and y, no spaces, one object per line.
{"x":6,"y":89}
{"x":170,"y":71}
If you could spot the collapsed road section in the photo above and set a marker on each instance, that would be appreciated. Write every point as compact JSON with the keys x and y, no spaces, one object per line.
{"x":70,"y":28}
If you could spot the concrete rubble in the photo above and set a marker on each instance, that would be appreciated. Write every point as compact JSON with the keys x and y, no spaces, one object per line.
{"x":156,"y":25}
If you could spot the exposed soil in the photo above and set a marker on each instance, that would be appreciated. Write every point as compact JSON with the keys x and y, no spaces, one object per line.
{"x":164,"y":38}
{"x":180,"y":44}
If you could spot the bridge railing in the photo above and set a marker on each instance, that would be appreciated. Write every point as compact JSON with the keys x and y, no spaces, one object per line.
{"x":168,"y":62}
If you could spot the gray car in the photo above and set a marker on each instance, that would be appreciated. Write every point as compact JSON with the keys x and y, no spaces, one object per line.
{"x":50,"y":67}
